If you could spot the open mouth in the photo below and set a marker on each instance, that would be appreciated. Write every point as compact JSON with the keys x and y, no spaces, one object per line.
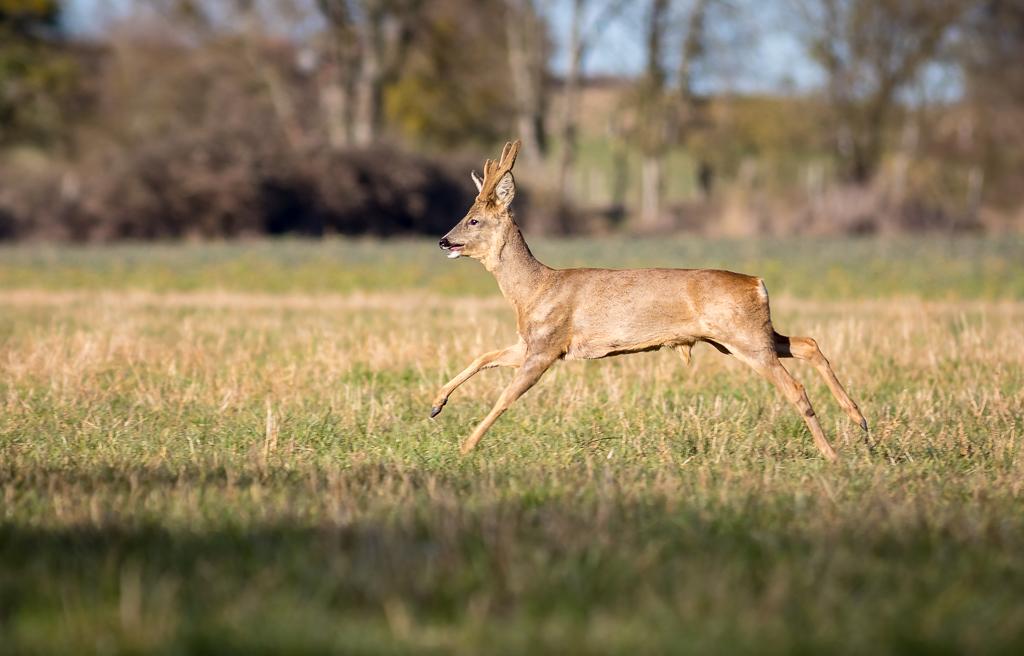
{"x":454,"y":251}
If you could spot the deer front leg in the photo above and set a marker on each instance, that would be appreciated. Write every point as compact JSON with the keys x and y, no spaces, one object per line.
{"x":529,"y":373}
{"x":506,"y":357}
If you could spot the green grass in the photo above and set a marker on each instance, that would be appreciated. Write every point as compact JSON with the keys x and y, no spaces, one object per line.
{"x":930,"y":268}
{"x":224,"y":449}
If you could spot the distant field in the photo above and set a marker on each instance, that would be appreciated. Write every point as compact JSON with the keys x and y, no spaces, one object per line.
{"x":930,"y":268}
{"x":225,"y":449}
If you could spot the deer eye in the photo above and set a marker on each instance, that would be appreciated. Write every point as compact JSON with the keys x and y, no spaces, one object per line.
{"x":473,"y":222}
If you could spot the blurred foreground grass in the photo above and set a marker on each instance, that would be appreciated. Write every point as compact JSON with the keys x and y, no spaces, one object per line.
{"x":198,"y":466}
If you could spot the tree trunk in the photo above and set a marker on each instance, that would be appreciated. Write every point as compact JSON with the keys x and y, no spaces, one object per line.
{"x":653,"y":129}
{"x":336,"y":83}
{"x":368,"y":86}
{"x":620,"y":173}
{"x":867,"y":140}
{"x":692,"y":51}
{"x":570,"y":97}
{"x":526,"y":63}
{"x":651,"y":186}
{"x":335,"y":107}
{"x":277,"y":90}
{"x":372,"y":43}
{"x":685,"y":118}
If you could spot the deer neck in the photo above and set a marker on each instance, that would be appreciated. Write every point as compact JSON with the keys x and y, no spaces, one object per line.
{"x":518,"y":272}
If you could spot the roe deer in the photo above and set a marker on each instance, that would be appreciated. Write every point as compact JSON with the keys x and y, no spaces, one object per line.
{"x":575,"y":314}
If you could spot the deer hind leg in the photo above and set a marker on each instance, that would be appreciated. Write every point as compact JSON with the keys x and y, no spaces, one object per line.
{"x":766,"y":363}
{"x":805,"y":348}
{"x":529,"y":373}
{"x":506,"y":357}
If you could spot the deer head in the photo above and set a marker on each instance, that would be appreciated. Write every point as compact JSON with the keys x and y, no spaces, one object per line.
{"x":484,"y":229}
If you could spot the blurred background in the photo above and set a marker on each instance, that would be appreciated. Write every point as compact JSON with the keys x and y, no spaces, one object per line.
{"x":185,"y":119}
{"x":216,"y":441}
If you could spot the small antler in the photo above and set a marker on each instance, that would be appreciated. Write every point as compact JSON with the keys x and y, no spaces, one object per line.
{"x":494,"y":171}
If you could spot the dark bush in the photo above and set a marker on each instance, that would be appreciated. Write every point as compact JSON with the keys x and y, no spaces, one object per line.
{"x":386,"y":192}
{"x":233,"y":185}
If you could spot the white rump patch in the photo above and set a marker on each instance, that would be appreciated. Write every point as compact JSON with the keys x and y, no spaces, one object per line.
{"x":762,"y":290}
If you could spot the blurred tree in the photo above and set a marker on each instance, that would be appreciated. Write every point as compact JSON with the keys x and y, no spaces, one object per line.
{"x":269,"y":72}
{"x":528,"y":50}
{"x":664,"y":118}
{"x":870,"y":51}
{"x":371,"y":40}
{"x":337,"y":80}
{"x":651,"y":124}
{"x":685,"y":117}
{"x":587,"y":23}
{"x":28,"y":17}
{"x":991,"y":50}
{"x":444,"y":97}
{"x":37,"y":78}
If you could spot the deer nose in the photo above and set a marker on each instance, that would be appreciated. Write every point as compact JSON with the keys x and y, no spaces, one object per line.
{"x":444,"y":243}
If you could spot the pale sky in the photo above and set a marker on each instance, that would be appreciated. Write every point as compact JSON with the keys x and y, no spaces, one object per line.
{"x":760,"y":59}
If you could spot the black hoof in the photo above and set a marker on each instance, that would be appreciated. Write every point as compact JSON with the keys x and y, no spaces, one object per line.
{"x":864,"y":424}
{"x":436,"y":410}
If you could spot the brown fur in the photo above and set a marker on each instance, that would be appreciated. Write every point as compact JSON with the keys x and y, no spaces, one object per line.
{"x":576,"y":314}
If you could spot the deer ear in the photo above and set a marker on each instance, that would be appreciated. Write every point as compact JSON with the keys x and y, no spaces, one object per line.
{"x":505,"y":190}
{"x":476,"y":180}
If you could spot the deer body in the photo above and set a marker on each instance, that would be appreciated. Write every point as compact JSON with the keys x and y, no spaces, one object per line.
{"x":575,"y":314}
{"x":644,"y":309}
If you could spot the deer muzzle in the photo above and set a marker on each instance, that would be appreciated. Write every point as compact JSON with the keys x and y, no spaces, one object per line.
{"x":454,"y":250}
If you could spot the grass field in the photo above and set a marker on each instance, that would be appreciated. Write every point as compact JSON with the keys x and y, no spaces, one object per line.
{"x":225,"y":449}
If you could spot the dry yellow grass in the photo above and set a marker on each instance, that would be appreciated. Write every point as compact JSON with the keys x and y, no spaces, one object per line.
{"x":225,"y":471}
{"x":927,"y":373}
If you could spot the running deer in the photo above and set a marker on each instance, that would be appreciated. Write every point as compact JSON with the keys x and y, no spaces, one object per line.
{"x":572,"y":314}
